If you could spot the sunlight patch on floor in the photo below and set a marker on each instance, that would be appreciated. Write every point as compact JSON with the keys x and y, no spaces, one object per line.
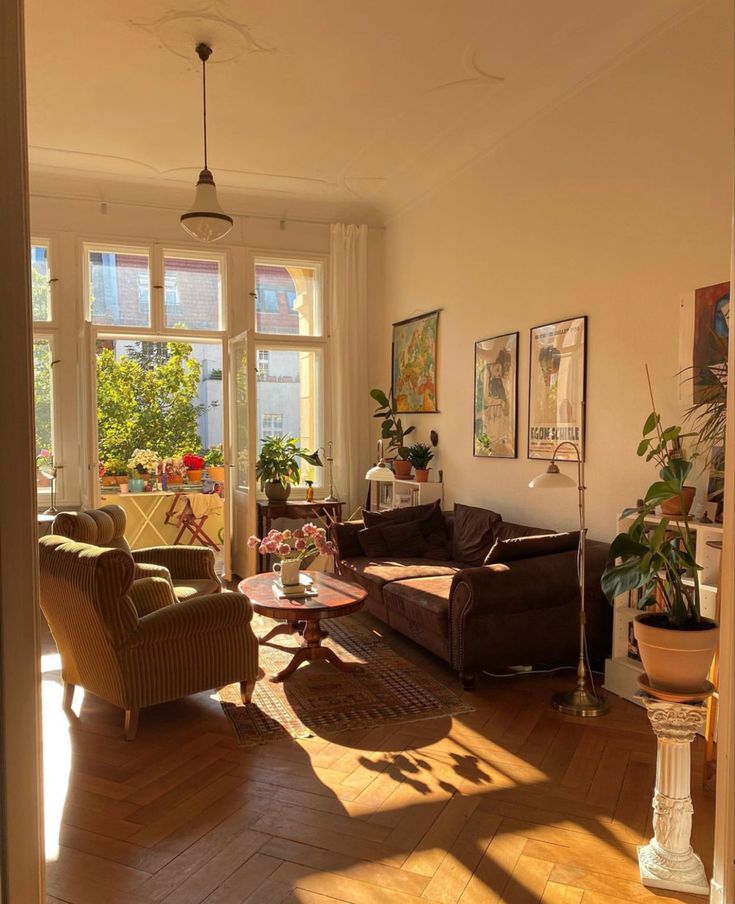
{"x":56,"y":763}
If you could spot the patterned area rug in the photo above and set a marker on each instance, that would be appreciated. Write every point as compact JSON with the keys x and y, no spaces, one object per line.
{"x":319,"y":699}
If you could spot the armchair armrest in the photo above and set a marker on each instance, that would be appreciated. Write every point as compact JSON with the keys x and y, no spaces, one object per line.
{"x":151,"y":594}
{"x":201,"y":615}
{"x":183,"y":562}
{"x":148,"y":570}
{"x":345,"y":538}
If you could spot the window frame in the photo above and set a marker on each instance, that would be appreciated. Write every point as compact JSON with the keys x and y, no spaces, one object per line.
{"x":297,"y":342}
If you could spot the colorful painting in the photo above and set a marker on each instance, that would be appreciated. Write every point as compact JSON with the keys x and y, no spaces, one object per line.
{"x":711,"y":331}
{"x":414,"y":364}
{"x":557,"y":378}
{"x":496,"y":397}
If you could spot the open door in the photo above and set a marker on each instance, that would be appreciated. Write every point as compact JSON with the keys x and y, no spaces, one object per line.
{"x":242,"y":460}
{"x":87,"y":387}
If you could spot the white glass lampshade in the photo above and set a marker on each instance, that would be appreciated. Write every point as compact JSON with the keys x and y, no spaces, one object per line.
{"x":552,"y":479}
{"x":206,"y":220}
{"x":379,"y":472}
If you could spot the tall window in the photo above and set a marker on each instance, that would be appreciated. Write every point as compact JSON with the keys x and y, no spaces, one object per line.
{"x":43,"y":359}
{"x":290,"y":351}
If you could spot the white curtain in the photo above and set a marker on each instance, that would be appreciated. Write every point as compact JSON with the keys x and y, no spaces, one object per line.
{"x":349,"y":389}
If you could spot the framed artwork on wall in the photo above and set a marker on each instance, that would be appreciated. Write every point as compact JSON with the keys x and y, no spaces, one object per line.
{"x":414,"y":364}
{"x":496,"y":397}
{"x":556,"y":388}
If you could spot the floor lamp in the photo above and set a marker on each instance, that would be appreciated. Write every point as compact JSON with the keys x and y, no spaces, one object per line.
{"x":580,"y":701}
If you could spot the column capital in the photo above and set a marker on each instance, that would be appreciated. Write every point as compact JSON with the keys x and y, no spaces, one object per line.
{"x":675,"y":721}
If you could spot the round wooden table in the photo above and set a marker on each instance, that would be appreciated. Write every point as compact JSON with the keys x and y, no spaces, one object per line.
{"x":303,"y":616}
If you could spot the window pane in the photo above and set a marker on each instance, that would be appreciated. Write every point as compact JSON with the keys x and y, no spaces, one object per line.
{"x":288,"y":299}
{"x":287,"y":399}
{"x":192,"y":293}
{"x":119,"y":288}
{"x":40,"y":287}
{"x":43,"y":391}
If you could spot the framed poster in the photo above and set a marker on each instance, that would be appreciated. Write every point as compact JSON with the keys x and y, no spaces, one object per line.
{"x":414,"y":364}
{"x":556,"y":388}
{"x":496,"y":397}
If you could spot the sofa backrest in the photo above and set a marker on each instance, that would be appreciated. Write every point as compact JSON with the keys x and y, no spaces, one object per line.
{"x":507,"y":530}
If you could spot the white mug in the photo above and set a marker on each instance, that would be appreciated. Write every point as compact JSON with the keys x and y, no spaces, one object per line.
{"x":288,"y":571}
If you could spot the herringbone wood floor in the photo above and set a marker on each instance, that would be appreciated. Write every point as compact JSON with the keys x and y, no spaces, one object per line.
{"x":511,"y":803}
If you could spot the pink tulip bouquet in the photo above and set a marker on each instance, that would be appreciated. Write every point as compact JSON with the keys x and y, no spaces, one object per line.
{"x":296,"y":545}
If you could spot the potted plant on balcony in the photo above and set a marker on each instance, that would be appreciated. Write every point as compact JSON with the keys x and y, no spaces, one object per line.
{"x":278,"y":466}
{"x":656,"y":557}
{"x":174,"y":469}
{"x":391,"y":429}
{"x":420,"y":454}
{"x":141,"y":464}
{"x":44,"y":459}
{"x":194,"y":466}
{"x":214,"y":461}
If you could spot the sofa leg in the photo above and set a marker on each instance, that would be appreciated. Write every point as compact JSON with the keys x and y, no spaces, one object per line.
{"x":246,"y":690}
{"x":68,"y":695}
{"x":131,"y":724}
{"x":469,"y":680}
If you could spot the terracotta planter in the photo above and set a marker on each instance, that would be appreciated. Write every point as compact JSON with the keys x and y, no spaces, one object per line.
{"x":195,"y":475}
{"x":121,"y":479}
{"x":422,"y":475}
{"x":174,"y":479}
{"x":673,"y":506}
{"x":277,"y":491}
{"x":216,"y":473}
{"x":109,"y":481}
{"x":676,"y":660}
{"x":401,"y":468}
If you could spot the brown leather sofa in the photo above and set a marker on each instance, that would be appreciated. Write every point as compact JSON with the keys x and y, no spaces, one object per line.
{"x":522,"y":608}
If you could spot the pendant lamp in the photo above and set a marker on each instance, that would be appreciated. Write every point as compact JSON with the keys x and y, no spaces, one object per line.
{"x":206,"y":220}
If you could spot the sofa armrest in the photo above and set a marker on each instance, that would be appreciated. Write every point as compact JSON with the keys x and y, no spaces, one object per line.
{"x":201,"y":615}
{"x":183,"y":562}
{"x":345,"y":538}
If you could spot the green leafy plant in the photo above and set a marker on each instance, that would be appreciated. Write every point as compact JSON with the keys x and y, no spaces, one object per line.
{"x":391,"y":427}
{"x":658,"y":559}
{"x":214,"y":457}
{"x":419,"y":454}
{"x":116,"y":467}
{"x":278,"y":461}
{"x":708,"y":416}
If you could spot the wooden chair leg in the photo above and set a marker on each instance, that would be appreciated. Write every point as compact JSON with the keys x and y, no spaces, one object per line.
{"x":68,"y":695}
{"x":246,"y":690}
{"x":131,"y":724}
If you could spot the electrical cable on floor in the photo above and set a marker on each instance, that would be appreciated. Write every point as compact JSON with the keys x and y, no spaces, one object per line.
{"x":522,"y":673}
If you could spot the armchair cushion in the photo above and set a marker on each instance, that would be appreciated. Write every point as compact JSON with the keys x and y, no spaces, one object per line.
{"x":150,"y":594}
{"x":148,"y":570}
{"x":193,"y":618}
{"x":186,"y":590}
{"x":184,"y":562}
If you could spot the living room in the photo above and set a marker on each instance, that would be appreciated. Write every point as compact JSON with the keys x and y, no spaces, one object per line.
{"x":483,"y":179}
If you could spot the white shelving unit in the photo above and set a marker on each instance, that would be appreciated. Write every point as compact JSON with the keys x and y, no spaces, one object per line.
{"x":622,"y":669}
{"x":396,"y":493}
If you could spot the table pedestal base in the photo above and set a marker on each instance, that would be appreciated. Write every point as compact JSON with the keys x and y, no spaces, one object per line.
{"x":660,"y":868}
{"x":312,"y":634}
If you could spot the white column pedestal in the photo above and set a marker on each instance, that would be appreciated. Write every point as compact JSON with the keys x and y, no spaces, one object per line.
{"x":668,"y":860}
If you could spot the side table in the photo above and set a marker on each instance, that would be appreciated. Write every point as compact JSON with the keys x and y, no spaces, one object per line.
{"x":668,"y":860}
{"x":267,"y":512}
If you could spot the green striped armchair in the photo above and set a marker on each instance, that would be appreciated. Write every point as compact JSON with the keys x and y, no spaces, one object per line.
{"x":190,"y":569}
{"x":131,"y":642}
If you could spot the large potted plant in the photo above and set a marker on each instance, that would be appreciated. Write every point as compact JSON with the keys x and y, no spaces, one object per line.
{"x":391,"y":429}
{"x":420,"y":454}
{"x":278,"y":466}
{"x":656,"y":557}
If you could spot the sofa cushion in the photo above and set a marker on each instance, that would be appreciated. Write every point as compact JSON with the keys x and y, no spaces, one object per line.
{"x":419,"y":609}
{"x":506,"y":530}
{"x":400,"y":515}
{"x":402,"y":539}
{"x":372,"y":543}
{"x":528,"y":547}
{"x":378,"y":572}
{"x":473,"y":533}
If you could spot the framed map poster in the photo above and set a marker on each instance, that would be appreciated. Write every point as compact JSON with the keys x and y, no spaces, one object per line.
{"x":414,"y":364}
{"x":556,"y":389}
{"x":496,"y":397}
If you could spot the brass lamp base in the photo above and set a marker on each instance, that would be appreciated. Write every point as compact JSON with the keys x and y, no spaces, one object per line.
{"x":580,"y":702}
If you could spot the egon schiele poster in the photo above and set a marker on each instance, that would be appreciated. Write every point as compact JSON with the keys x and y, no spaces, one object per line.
{"x":556,"y":388}
{"x":496,"y":392}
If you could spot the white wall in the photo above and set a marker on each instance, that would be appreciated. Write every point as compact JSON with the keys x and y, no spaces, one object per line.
{"x":611,"y":205}
{"x":68,"y":222}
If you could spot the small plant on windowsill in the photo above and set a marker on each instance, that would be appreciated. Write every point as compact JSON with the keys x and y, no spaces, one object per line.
{"x":391,"y":429}
{"x":420,"y":454}
{"x":278,"y":466}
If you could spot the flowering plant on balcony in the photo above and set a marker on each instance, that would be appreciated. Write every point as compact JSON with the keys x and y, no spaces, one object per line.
{"x":143,"y":460}
{"x":295,"y":545}
{"x":214,"y":457}
{"x":44,"y":458}
{"x":175,"y":466}
{"x":193,"y":462}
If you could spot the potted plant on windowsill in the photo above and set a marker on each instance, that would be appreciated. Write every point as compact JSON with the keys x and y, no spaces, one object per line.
{"x":194,"y":467}
{"x":675,"y":642}
{"x":214,"y":461}
{"x":278,"y":466}
{"x":392,"y":430}
{"x":420,"y":454}
{"x":141,"y":464}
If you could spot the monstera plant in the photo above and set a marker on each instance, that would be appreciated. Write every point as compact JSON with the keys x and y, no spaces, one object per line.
{"x":391,"y":429}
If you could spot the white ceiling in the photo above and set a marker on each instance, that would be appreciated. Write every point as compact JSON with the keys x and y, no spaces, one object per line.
{"x":352,"y":107}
